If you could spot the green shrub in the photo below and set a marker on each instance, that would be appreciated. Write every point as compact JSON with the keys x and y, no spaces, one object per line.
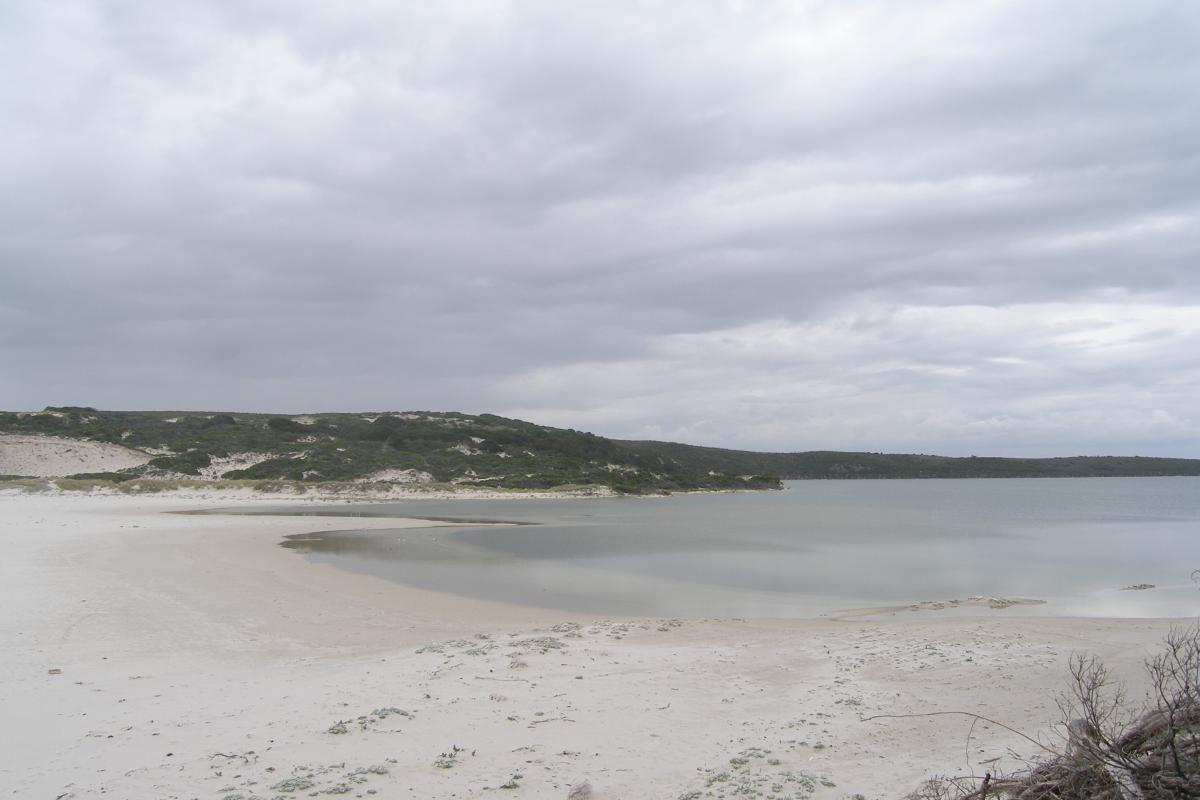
{"x":189,"y":463}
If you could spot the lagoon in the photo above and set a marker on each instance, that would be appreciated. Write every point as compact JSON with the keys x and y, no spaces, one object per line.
{"x":813,"y":549}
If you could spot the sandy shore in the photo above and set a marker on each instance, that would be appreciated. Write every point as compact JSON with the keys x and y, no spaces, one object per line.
{"x":154,"y":655}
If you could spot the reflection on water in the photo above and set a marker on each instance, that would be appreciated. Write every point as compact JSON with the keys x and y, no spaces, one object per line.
{"x":816,"y":547}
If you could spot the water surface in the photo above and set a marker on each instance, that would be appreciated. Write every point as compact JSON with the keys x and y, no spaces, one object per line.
{"x":813,"y":548}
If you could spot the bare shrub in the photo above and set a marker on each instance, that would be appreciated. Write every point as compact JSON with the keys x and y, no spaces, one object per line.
{"x":1117,"y":749}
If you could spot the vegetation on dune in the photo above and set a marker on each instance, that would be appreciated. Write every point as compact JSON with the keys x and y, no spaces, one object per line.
{"x":443,"y":447}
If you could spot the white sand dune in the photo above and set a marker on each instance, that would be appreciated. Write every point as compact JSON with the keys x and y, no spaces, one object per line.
{"x":145,"y":654}
{"x":235,"y":461}
{"x":398,"y":476}
{"x":52,"y":457}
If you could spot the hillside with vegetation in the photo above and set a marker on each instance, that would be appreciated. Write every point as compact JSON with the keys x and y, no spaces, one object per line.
{"x":423,"y":447}
{"x":837,"y":465}
{"x":488,"y":451}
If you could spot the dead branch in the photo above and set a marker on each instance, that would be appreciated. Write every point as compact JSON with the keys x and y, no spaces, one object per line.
{"x":1115,"y":751}
{"x":979,"y":717}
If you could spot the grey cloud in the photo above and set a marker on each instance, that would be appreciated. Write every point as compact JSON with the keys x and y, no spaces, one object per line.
{"x":528,"y":207}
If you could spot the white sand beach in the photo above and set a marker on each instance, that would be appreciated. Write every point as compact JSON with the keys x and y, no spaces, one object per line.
{"x":154,"y":655}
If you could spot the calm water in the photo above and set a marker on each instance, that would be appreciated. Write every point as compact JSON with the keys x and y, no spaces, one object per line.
{"x":818,"y":546}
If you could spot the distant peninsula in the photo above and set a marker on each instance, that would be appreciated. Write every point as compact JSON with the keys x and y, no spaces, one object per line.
{"x":421,"y":449}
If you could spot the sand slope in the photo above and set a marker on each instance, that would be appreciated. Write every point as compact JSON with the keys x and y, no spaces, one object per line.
{"x":52,"y":457}
{"x":199,"y":659}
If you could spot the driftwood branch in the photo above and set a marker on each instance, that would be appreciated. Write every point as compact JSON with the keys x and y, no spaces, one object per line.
{"x":978,"y":717}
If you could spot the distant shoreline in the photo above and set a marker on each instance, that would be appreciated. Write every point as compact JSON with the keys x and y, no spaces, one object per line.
{"x":382,"y":492}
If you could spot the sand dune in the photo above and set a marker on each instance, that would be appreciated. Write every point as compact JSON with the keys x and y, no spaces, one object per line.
{"x":52,"y":457}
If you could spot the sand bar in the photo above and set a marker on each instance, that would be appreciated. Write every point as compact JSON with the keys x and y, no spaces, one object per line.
{"x":147,"y":654}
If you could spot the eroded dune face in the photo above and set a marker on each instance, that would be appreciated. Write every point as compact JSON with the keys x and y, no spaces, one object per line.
{"x":52,"y":457}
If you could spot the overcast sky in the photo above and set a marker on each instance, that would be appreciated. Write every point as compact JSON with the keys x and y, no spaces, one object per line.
{"x":952,"y":227}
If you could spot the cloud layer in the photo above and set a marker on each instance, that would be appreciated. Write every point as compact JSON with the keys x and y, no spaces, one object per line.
{"x":929,"y":226}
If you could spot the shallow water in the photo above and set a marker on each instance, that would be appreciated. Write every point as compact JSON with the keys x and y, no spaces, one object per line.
{"x":814,"y":548}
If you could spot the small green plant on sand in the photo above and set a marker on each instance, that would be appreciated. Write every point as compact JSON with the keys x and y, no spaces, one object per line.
{"x":293,"y":785}
{"x":449,"y":758}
